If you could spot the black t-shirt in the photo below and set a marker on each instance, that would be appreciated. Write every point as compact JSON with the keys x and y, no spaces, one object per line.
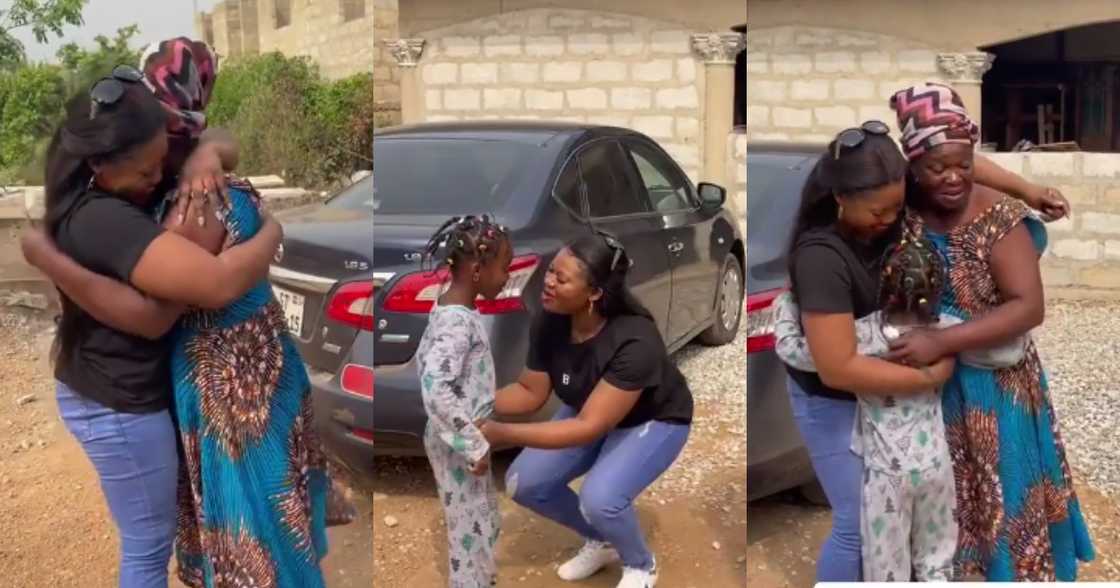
{"x":628,"y":353}
{"x":123,"y":372}
{"x":831,"y":274}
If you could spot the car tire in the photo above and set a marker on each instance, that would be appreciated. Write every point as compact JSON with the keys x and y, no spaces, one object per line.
{"x":729,"y":304}
{"x":814,"y":494}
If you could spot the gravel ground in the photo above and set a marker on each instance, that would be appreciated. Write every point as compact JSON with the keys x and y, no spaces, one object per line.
{"x":1079,"y":344}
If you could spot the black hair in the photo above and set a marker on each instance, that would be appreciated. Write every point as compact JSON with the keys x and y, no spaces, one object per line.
{"x":606,"y":265}
{"x":81,"y":139}
{"x":913,"y":278}
{"x":462,"y":239}
{"x":845,"y":172}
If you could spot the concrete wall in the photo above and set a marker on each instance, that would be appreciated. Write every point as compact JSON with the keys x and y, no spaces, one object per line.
{"x":808,"y":83}
{"x":386,"y":76}
{"x":317,"y":30}
{"x":950,"y":25}
{"x":569,"y":65}
{"x":1084,"y":253}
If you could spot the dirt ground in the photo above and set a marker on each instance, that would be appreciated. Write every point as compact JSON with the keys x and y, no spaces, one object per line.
{"x":54,"y":525}
{"x":682,"y":531}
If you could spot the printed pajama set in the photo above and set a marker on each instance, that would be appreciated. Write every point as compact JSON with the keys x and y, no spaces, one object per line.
{"x":907,"y":517}
{"x":457,"y":383}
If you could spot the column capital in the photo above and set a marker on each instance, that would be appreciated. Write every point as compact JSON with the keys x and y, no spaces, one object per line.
{"x":965,"y":68}
{"x":407,"y":52}
{"x":719,"y":47}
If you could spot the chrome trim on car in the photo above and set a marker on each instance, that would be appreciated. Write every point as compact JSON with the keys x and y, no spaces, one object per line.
{"x":310,"y":282}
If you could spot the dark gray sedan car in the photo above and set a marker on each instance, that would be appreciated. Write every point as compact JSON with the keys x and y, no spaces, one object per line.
{"x":776,"y":457}
{"x":549,"y":183}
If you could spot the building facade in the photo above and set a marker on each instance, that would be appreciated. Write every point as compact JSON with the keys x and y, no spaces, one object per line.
{"x":1026,"y":70}
{"x":650,"y":66}
{"x":336,"y":34}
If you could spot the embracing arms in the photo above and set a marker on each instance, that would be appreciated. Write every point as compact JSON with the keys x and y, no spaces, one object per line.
{"x":1048,"y":201}
{"x":605,"y":408}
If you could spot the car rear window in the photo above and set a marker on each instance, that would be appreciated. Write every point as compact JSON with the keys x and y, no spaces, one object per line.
{"x":356,"y":197}
{"x":445,"y":176}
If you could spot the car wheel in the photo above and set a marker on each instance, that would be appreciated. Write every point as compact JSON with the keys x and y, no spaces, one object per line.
{"x":814,"y":494}
{"x":729,"y":304}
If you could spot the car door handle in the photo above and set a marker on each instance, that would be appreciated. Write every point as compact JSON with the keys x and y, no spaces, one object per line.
{"x":676,"y":247}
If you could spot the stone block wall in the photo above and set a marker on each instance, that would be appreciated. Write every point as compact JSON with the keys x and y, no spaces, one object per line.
{"x":386,"y":76}
{"x":569,"y":65}
{"x":737,"y":162}
{"x":317,"y":30}
{"x":806,"y":84}
{"x":1084,"y":252}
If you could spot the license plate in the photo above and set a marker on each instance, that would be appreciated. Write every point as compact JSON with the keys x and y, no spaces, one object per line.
{"x":292,"y":305}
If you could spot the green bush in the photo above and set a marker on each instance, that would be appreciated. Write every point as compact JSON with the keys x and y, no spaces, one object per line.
{"x":288,"y":120}
{"x":31,"y":102}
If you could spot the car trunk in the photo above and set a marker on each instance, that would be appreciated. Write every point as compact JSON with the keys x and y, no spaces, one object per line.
{"x":398,"y":241}
{"x":325,"y":250}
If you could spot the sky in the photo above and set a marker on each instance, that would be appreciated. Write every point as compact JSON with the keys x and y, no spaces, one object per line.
{"x":158,"y":19}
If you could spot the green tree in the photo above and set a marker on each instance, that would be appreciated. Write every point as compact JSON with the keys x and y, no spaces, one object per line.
{"x":33,"y":99}
{"x":43,"y":17}
{"x":85,"y":66}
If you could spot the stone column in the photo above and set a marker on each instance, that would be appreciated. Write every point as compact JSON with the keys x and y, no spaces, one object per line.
{"x":718,"y":51}
{"x":407,"y":53}
{"x":965,"y":72}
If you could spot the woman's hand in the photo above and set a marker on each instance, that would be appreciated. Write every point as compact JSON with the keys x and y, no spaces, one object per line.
{"x":1048,"y":201}
{"x":941,"y":371}
{"x":920,"y":347}
{"x":37,"y":246}
{"x":202,"y":180}
{"x":491,"y":430}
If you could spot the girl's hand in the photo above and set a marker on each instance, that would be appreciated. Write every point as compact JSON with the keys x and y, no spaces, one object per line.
{"x":917,"y":348}
{"x":202,"y":180}
{"x":1048,"y":201}
{"x":481,"y":465}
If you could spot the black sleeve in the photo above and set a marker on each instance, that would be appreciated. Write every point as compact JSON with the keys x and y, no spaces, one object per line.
{"x":108,"y":236}
{"x":822,"y":281}
{"x":636,"y":364}
{"x":538,"y":360}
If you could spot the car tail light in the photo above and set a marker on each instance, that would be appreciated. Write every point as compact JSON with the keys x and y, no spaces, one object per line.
{"x":760,"y":320}
{"x":363,"y":434}
{"x":416,"y":293}
{"x":352,"y":304}
{"x":357,"y":380}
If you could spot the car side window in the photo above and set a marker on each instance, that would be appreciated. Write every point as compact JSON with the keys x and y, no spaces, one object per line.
{"x":666,"y":188}
{"x":567,"y":189}
{"x":610,"y":190}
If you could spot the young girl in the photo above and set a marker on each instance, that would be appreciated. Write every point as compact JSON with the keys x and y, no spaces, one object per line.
{"x":457,"y":383}
{"x":908,"y":498}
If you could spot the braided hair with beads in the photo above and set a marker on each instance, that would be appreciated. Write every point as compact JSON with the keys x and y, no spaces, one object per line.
{"x":913,"y":278}
{"x":464,"y":239}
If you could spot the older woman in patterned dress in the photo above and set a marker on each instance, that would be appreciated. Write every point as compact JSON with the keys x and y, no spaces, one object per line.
{"x":1019,"y":517}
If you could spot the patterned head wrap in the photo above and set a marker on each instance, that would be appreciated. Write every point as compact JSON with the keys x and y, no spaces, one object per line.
{"x":930,"y":115}
{"x":181,"y":73}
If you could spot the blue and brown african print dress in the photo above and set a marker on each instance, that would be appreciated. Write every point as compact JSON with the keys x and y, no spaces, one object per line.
{"x":252,"y":500}
{"x":1019,"y":517}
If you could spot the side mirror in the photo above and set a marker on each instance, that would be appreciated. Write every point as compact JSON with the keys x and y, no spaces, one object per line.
{"x":712,"y":196}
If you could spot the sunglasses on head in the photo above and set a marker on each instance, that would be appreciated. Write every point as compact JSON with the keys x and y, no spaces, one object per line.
{"x":855,"y":136}
{"x":615,"y":246}
{"x":108,"y":90}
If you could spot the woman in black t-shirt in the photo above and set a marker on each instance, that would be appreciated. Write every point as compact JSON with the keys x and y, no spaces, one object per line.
{"x":850,"y":210}
{"x":626,"y":411}
{"x":104,"y":164}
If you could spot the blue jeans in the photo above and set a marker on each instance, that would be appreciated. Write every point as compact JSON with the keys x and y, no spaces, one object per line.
{"x":136,"y":458}
{"x":618,"y":467}
{"x":826,"y":428}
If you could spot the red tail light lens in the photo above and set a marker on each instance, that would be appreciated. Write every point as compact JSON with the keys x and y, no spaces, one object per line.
{"x":760,"y":320}
{"x":357,"y":380}
{"x":416,"y":293}
{"x":352,"y":304}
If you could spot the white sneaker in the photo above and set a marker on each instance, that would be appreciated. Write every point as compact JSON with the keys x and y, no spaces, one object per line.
{"x":592,"y":557}
{"x":636,"y":578}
